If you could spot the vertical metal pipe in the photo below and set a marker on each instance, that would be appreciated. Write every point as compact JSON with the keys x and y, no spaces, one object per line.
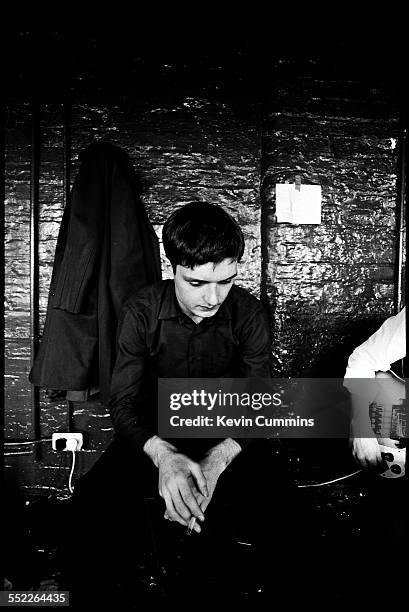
{"x":34,"y":266}
{"x":67,"y":188}
{"x":401,"y":221}
{"x":67,"y":151}
{"x":2,"y":254}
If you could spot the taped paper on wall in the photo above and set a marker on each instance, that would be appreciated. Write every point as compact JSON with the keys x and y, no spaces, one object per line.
{"x":295,"y":206}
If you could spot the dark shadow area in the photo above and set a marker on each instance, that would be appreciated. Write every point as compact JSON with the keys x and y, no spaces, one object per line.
{"x":346,"y":535}
{"x":110,"y":65}
{"x":33,"y":532}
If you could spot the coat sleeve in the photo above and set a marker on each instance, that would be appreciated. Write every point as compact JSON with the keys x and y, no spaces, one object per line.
{"x":131,"y":405}
{"x":85,"y":234}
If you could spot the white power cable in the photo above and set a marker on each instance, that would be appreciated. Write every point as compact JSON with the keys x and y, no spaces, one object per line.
{"x":321,"y":484}
{"x":71,"y":445}
{"x":397,"y":375}
{"x":71,"y":473}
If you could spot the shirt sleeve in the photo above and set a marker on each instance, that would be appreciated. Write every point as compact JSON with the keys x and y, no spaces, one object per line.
{"x":129,"y":404}
{"x":255,"y":346}
{"x":383,"y":348}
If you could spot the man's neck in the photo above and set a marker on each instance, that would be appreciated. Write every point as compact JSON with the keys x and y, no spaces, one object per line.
{"x":194,"y":318}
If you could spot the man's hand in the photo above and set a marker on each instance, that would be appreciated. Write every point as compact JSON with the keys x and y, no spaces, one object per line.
{"x":211,"y":470}
{"x":213,"y":465}
{"x":367,"y":453}
{"x":365,"y":449}
{"x":186,"y":486}
{"x":181,"y":482}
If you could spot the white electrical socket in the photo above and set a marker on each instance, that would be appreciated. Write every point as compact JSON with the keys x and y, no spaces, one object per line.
{"x":78,"y":437}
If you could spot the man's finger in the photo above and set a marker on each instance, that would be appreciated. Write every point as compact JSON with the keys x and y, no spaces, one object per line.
{"x":204,"y":504}
{"x":375,"y":460}
{"x":361,"y":461}
{"x":200,"y":479}
{"x":172,"y":511}
{"x":190,"y":502}
{"x":180,"y":507}
{"x":372,"y":463}
{"x":382,"y":465}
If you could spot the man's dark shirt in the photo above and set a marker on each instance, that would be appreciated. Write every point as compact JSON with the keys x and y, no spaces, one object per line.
{"x":157,"y":340}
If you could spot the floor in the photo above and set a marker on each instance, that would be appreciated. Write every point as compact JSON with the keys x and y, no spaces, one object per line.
{"x":349,"y":524}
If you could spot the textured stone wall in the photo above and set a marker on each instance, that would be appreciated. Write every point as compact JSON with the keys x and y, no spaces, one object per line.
{"x":328,"y":286}
{"x":183,"y":149}
{"x":17,"y":271}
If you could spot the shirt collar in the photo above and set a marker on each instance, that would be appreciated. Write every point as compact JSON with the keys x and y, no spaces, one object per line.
{"x":170,"y":309}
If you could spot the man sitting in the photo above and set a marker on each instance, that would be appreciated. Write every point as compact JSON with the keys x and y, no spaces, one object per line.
{"x":200,"y":325}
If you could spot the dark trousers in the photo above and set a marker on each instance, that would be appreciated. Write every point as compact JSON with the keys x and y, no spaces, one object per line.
{"x":117,"y":515}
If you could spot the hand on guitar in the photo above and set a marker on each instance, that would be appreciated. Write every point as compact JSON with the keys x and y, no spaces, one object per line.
{"x":367,"y":453}
{"x":365,"y":446}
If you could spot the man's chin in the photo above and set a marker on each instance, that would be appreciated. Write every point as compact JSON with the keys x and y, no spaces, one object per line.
{"x":205,"y":312}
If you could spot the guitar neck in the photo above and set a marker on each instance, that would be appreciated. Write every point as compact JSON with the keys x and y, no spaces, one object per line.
{"x":388,"y":411}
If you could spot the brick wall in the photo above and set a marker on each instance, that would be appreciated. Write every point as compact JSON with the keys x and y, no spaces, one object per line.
{"x":328,"y":286}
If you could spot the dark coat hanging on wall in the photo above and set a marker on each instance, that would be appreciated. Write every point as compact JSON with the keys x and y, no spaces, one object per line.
{"x":106,"y":250}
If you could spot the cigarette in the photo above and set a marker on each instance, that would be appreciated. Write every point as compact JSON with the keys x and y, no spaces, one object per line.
{"x":192,"y":523}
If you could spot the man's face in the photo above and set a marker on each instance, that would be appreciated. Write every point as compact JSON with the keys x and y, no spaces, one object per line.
{"x":202,"y":290}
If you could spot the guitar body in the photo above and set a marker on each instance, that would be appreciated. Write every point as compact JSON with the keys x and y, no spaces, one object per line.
{"x":395,"y":458}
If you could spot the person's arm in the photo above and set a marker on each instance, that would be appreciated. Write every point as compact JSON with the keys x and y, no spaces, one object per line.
{"x":133,"y":418}
{"x":131,"y":413}
{"x":383,"y":348}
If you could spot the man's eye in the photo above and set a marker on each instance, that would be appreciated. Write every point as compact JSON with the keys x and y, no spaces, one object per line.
{"x":199,"y":283}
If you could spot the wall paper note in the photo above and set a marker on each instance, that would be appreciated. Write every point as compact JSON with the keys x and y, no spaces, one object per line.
{"x":298,"y":206}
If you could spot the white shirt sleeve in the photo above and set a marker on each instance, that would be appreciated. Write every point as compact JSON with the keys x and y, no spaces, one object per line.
{"x":383,"y":348}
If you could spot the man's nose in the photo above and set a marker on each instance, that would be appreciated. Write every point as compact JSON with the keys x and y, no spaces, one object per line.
{"x":211,"y":295}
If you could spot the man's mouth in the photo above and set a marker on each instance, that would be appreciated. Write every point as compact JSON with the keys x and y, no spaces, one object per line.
{"x":207,"y":307}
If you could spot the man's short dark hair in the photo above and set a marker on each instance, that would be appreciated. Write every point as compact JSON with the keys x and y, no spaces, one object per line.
{"x":199,"y":233}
